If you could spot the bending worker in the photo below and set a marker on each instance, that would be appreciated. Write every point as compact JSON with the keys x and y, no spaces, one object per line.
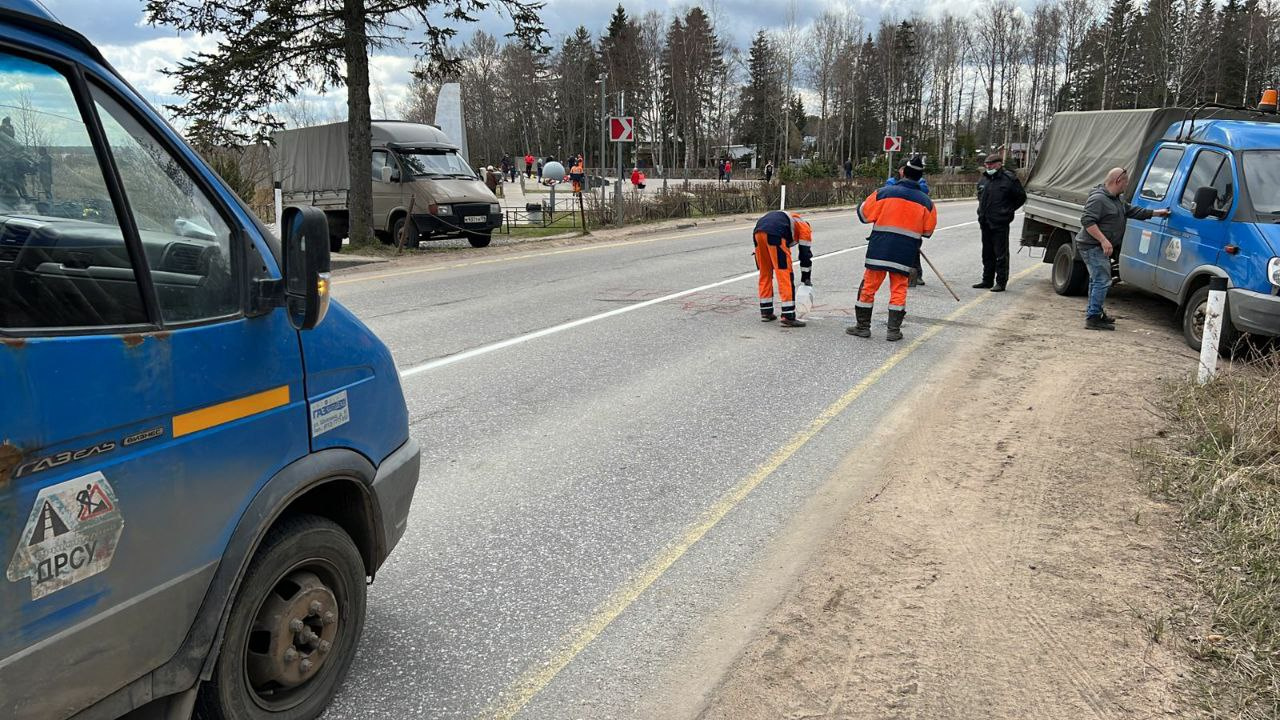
{"x":776,"y":232}
{"x":902,"y":215}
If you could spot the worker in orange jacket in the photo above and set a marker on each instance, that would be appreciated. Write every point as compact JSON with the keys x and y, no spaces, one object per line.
{"x":775,"y":234}
{"x":902,"y":216}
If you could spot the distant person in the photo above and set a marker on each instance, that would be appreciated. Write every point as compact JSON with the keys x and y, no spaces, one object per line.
{"x":1102,"y":227}
{"x":506,"y":166}
{"x":902,"y":215}
{"x":539,"y":172}
{"x":6,"y":127}
{"x":768,"y":172}
{"x":637,"y":178}
{"x":999,"y":197}
{"x":848,"y":169}
{"x":528,"y":166}
{"x":44,"y":170}
{"x":728,"y":171}
{"x":775,"y":234}
{"x":492,"y":180}
{"x":577,"y":174}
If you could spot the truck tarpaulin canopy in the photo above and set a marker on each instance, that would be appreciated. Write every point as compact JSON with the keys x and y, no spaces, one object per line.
{"x":1080,"y":147}
{"x":313,"y":158}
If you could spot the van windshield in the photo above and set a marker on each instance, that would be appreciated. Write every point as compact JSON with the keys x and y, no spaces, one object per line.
{"x":436,"y":163}
{"x":1262,"y":177}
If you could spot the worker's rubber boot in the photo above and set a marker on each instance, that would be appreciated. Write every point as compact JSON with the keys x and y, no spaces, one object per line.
{"x":895,"y":325}
{"x":768,"y":317}
{"x":863,"y":328}
{"x":791,"y":321}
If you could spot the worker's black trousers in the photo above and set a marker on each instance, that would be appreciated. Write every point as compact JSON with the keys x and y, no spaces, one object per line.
{"x":995,"y":252}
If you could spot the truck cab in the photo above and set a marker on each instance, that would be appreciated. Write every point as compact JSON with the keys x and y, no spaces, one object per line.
{"x":1215,"y":169}
{"x":202,"y":460}
{"x":1221,"y":183}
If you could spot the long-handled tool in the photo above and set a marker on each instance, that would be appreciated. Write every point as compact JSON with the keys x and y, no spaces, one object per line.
{"x":944,"y":280}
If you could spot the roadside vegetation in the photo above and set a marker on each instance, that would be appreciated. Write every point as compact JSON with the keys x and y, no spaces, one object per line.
{"x":1219,"y":460}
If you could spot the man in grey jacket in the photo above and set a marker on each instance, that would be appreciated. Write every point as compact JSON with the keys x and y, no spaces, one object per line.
{"x":1102,"y":228}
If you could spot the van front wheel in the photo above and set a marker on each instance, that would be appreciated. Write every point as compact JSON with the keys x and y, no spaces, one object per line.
{"x":1193,"y":319}
{"x":293,"y":628}
{"x":480,"y":239}
{"x":411,"y":240}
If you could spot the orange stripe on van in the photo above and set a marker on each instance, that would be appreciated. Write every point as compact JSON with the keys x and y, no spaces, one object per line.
{"x":229,"y":411}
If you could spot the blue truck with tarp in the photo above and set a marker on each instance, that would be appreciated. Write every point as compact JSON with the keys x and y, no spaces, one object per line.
{"x":1215,"y":168}
{"x":203,"y":462}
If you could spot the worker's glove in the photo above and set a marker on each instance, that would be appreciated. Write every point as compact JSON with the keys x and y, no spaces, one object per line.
{"x":804,"y":277}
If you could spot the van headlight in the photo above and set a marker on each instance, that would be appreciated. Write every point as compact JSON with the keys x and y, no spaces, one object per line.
{"x":444,"y":209}
{"x":496,"y":209}
{"x":1273,"y":271}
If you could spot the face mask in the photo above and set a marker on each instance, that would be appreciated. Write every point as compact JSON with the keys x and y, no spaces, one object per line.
{"x":992,"y":171}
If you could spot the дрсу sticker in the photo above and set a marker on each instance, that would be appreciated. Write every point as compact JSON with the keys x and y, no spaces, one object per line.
{"x":70,"y":535}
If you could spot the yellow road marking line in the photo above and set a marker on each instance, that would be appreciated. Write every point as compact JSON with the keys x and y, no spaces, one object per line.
{"x":534,"y":681}
{"x":226,"y":412}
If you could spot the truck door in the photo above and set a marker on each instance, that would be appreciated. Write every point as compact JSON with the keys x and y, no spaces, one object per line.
{"x":1140,"y":253}
{"x":387,"y":196}
{"x":1191,"y":242}
{"x":141,"y":408}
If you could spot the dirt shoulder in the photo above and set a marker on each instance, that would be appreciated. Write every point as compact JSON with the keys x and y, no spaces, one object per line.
{"x":1005,"y":562}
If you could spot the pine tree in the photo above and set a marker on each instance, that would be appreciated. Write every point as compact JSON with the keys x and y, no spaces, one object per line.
{"x":761,"y":101}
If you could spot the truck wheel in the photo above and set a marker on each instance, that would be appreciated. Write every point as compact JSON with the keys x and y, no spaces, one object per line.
{"x":293,"y":628}
{"x":410,"y":241}
{"x":480,"y":239}
{"x":1070,"y":276}
{"x":1193,"y":316}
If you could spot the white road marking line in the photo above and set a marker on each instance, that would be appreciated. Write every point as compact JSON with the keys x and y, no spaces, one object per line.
{"x":520,"y":339}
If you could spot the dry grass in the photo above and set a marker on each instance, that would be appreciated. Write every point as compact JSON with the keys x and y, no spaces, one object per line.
{"x":1220,"y":461}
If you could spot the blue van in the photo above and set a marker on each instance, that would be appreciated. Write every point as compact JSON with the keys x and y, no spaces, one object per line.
{"x":202,"y":461}
{"x":1218,"y":172}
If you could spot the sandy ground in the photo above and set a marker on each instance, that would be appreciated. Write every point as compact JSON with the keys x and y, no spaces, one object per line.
{"x":1005,"y":561}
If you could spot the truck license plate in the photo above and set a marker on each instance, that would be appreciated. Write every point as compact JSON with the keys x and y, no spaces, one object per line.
{"x":474,"y":219}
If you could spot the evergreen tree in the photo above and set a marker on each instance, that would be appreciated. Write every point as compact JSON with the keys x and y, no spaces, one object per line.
{"x":762,"y":97}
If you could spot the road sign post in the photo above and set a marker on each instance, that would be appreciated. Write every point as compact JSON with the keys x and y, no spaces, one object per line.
{"x":892,"y":144}
{"x":621,"y":130}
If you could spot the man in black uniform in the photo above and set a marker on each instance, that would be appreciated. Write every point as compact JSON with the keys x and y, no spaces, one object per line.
{"x":999,"y":197}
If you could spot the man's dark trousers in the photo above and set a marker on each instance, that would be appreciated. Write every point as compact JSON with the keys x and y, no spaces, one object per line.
{"x":995,"y":252}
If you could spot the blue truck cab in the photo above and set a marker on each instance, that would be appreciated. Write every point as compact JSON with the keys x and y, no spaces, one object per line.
{"x":202,"y":462}
{"x":1216,"y":170}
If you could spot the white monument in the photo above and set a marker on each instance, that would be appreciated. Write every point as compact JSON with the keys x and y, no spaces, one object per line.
{"x":449,"y":117}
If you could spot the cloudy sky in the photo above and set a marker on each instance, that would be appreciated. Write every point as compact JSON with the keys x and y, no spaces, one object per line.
{"x":141,"y":52}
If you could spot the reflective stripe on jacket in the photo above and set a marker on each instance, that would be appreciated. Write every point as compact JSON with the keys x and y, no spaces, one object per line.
{"x":901,"y":215}
{"x":790,"y":228}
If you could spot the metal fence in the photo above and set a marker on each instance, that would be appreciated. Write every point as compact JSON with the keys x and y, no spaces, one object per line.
{"x":704,"y":200}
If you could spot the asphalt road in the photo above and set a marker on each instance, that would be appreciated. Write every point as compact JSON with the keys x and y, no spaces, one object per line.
{"x":613,"y":444}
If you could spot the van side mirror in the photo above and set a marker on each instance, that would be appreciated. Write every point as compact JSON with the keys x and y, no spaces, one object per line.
{"x":1203,"y":204}
{"x":306,"y":266}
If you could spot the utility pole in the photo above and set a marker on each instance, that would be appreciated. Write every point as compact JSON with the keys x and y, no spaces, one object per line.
{"x":604,"y":125}
{"x":617,"y":194}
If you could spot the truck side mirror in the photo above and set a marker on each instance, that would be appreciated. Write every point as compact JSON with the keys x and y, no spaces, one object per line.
{"x":306,"y":266}
{"x":1203,"y":204}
